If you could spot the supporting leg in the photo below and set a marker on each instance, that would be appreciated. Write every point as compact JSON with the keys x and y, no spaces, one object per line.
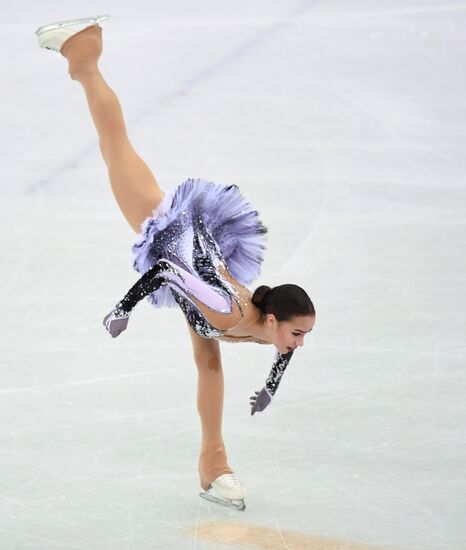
{"x":134,"y":186}
{"x":213,"y":459}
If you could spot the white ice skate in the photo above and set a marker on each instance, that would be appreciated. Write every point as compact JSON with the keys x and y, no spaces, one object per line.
{"x":227,"y":491}
{"x":54,"y":35}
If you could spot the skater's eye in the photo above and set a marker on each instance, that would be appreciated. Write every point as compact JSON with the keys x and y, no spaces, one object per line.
{"x":301,"y":332}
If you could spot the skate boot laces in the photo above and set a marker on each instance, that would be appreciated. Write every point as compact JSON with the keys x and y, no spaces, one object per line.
{"x":229,"y":487}
{"x":228,"y":480}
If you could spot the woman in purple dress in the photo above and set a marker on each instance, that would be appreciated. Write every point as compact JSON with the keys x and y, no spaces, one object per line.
{"x":197,"y":248}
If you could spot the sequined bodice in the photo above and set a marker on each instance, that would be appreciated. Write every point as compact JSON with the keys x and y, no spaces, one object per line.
{"x":183,"y":262}
{"x":191,"y":263}
{"x":201,"y":255}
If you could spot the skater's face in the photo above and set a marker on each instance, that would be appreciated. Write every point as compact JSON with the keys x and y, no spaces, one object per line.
{"x":288,"y":335}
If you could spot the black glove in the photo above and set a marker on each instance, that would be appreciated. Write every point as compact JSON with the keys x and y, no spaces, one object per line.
{"x":116,"y":321}
{"x":260,"y":400}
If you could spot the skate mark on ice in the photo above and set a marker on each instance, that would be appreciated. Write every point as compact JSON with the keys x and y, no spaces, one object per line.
{"x":256,"y":536}
{"x":279,"y":531}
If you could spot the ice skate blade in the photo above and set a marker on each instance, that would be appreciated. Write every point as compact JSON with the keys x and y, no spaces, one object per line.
{"x":238,"y":505}
{"x":91,"y":20}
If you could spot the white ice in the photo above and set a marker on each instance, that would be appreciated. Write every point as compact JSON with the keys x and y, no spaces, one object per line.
{"x":344,"y":123}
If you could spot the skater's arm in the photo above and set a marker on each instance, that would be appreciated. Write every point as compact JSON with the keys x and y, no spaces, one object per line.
{"x":117,"y":320}
{"x":162,"y":273}
{"x":151,"y":281}
{"x":276,"y":373}
{"x":263,"y":398}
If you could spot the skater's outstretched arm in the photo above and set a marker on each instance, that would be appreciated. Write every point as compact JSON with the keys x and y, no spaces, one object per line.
{"x":263,"y":397}
{"x":163,"y":273}
{"x":151,"y":281}
{"x":117,"y":320}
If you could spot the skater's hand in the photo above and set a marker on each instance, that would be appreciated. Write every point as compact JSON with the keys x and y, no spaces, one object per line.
{"x":116,"y":321}
{"x":260,"y":400}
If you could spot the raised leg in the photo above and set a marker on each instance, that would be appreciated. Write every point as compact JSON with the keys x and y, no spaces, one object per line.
{"x":133,"y":184}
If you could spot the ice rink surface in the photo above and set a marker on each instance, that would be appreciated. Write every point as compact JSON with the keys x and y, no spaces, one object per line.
{"x":344,"y":123}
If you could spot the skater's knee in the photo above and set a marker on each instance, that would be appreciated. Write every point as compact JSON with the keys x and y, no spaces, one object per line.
{"x":82,"y":70}
{"x":207,"y":355}
{"x":208,"y":360}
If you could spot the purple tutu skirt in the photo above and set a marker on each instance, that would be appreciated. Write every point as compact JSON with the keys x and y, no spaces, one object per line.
{"x":226,"y":214}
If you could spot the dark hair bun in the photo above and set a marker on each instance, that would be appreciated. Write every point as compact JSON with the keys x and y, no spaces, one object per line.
{"x":283,"y":301}
{"x":260,"y":294}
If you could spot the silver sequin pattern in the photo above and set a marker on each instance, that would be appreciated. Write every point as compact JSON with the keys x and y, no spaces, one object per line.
{"x":278,"y":368}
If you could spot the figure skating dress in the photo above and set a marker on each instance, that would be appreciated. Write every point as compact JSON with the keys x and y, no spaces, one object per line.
{"x":199,"y":232}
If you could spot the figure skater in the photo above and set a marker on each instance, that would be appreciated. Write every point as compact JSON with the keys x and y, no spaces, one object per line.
{"x":197,"y":247}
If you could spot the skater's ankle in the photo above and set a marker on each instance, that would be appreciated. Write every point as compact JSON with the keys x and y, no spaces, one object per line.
{"x":83,"y":51}
{"x":83,"y":72}
{"x":216,"y":443}
{"x":212,"y":462}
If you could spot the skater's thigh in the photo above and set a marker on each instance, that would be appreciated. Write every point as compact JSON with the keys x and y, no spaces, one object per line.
{"x":206,"y":350}
{"x":136,"y":190}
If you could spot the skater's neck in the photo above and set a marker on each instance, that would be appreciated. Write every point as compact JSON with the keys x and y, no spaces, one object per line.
{"x":253,"y":324}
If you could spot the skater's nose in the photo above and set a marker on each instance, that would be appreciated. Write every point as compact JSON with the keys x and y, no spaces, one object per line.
{"x":299,"y":342}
